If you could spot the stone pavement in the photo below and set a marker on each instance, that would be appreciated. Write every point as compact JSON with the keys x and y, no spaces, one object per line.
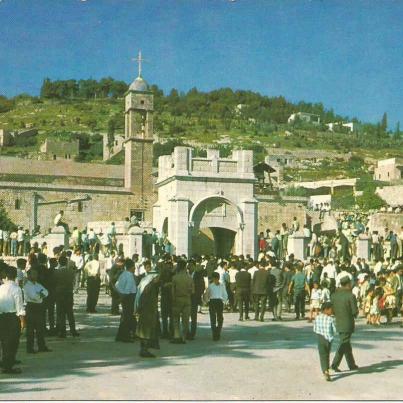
{"x":253,"y":360}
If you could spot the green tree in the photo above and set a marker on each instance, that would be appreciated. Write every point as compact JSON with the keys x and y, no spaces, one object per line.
{"x":397,"y":131}
{"x":384,"y":122}
{"x":5,"y":104}
{"x":5,"y":221}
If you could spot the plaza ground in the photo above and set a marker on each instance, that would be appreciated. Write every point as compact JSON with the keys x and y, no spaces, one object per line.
{"x":253,"y":360}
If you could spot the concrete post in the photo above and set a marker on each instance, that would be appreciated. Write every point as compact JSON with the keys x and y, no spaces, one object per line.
{"x":364,"y":247}
{"x":178,"y":230}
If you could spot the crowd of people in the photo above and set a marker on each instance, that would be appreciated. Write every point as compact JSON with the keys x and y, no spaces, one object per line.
{"x":161,"y":297}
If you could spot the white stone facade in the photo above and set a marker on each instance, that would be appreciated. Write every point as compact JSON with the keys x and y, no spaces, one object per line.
{"x":195,"y":194}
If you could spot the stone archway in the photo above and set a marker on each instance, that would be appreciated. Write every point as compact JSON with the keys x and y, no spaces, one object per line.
{"x":216,"y":224}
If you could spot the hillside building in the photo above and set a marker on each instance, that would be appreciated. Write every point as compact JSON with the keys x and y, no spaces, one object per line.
{"x":55,"y":149}
{"x":389,"y":170}
{"x":304,"y":117}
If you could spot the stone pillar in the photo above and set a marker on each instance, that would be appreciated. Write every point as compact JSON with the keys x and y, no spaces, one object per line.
{"x":296,"y":245}
{"x":248,"y":228}
{"x":364,"y":247}
{"x":178,"y":229}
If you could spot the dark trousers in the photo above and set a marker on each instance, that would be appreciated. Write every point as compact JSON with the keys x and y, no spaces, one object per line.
{"x":216,"y":308}
{"x":50,"y":305}
{"x":115,"y":301}
{"x":260,"y":305}
{"x":166,"y":312}
{"x":231,"y":296}
{"x":299,"y":302}
{"x":93,"y":286}
{"x":243,"y":297}
{"x":344,"y":349}
{"x":127,"y":324}
{"x":195,"y":302}
{"x":35,"y":319}
{"x":10,"y":332}
{"x":64,"y":304}
{"x":324,"y":347}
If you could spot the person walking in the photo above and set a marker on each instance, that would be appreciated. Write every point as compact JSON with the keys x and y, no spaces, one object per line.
{"x":12,"y":320}
{"x":345,"y":310}
{"x":166,"y":273}
{"x":114,"y":274}
{"x":126,"y":287}
{"x":324,"y":327}
{"x":216,"y":296}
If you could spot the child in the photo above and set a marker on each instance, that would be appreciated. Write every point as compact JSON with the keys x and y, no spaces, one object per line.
{"x":325,"y":297}
{"x":316,"y":295}
{"x":375,"y":312}
{"x":324,"y":327}
{"x":367,"y":304}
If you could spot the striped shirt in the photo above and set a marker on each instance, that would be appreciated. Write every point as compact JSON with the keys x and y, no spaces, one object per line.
{"x":325,"y":326}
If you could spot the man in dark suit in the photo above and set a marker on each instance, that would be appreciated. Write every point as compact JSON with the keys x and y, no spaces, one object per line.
{"x":260,"y":290}
{"x":242,"y":291}
{"x":276,"y":290}
{"x":196,"y":300}
{"x":345,"y":310}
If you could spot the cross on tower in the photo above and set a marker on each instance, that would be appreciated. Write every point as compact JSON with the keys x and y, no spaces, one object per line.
{"x":139,"y":60}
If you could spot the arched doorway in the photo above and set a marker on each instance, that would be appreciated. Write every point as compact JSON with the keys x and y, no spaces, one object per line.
{"x":215,"y":227}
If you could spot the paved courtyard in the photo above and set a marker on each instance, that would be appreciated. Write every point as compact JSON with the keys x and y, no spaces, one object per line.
{"x":253,"y":360}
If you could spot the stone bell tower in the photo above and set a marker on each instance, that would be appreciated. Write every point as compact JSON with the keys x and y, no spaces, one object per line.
{"x":139,"y":106}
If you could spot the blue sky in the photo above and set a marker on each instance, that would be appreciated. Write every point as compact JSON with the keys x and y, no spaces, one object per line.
{"x":346,"y":54}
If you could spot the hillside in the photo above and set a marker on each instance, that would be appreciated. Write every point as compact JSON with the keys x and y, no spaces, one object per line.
{"x":223,"y":118}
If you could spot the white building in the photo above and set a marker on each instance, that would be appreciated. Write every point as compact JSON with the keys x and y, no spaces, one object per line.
{"x":207,"y":205}
{"x":352,"y":126}
{"x":304,"y":117}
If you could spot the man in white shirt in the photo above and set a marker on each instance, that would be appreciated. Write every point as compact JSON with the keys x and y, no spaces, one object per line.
{"x":253,"y":269}
{"x":232,"y":272}
{"x":93,"y":274}
{"x":20,"y":241}
{"x":331,"y":272}
{"x":78,"y":260}
{"x":126,"y":287}
{"x":221,"y":270}
{"x":216,"y":296}
{"x":35,"y":294}
{"x":1,"y":241}
{"x":342,"y":274}
{"x":12,"y":320}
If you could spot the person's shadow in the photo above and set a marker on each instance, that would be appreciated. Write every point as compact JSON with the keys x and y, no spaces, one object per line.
{"x":373,"y":368}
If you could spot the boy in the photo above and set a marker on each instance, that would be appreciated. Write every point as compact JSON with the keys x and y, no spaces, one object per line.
{"x":325,"y":328}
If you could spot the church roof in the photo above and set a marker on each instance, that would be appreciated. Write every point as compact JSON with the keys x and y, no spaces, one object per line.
{"x":139,"y":84}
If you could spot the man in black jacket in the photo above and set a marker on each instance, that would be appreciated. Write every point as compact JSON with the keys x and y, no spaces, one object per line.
{"x":242,"y":291}
{"x":345,"y":310}
{"x":260,"y":290}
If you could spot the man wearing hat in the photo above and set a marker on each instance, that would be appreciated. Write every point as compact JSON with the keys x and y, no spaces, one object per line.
{"x":345,"y":310}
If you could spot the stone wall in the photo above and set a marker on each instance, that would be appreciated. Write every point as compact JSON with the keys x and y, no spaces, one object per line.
{"x":105,"y":205}
{"x":380,"y":221}
{"x":393,"y":195}
{"x":272,"y":213}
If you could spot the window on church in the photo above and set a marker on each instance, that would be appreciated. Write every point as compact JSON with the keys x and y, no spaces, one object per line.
{"x":142,"y":102}
{"x":80,"y":207}
{"x":17,"y":204}
{"x":54,"y":156}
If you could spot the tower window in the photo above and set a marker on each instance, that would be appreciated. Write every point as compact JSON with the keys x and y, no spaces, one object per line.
{"x":142,"y":102}
{"x":17,"y":204}
{"x":80,"y":207}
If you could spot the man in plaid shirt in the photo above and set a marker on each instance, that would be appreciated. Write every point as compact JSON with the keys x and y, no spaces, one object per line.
{"x":324,"y":327}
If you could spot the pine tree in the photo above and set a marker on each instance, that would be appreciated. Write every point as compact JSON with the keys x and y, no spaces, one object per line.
{"x":397,"y":131}
{"x":384,"y":123}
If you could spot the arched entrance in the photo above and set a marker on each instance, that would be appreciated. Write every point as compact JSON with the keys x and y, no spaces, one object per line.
{"x":216,"y":224}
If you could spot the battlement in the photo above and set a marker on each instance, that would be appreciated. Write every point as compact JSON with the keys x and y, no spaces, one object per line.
{"x":182,"y":163}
